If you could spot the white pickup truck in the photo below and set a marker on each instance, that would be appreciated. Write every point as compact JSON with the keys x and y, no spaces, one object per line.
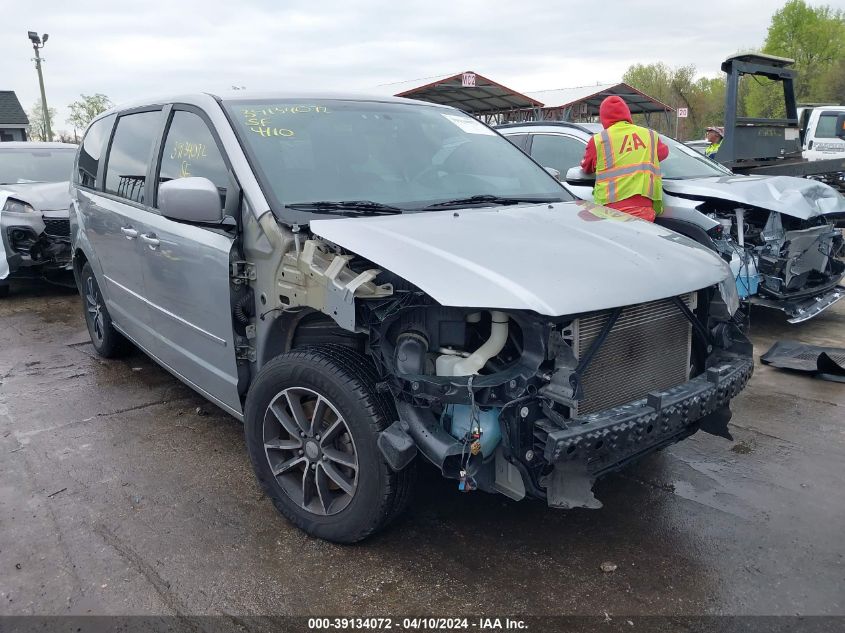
{"x":822,"y":131}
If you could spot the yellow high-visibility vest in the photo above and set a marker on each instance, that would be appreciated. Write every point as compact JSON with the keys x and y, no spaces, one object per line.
{"x":712,"y":149}
{"x":627,"y":165}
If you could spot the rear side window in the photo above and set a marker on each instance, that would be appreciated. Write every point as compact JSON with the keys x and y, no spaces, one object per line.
{"x":130,"y":153}
{"x":90,"y":152}
{"x":190,"y":150}
{"x":827,"y":126}
{"x":520,"y":140}
{"x":560,"y":152}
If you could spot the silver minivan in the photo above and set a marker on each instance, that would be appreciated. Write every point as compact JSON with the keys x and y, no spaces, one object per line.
{"x":375,"y":283}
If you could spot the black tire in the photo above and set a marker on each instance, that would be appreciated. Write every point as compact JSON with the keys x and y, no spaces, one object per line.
{"x":4,"y":290}
{"x":107,"y":341}
{"x":345,"y":380}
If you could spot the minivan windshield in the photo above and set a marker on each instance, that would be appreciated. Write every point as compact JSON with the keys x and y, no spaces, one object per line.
{"x":402,"y":155}
{"x":24,"y":165}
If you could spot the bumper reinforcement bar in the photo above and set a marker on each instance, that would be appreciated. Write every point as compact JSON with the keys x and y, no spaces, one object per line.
{"x":599,"y":443}
{"x":799,"y":310}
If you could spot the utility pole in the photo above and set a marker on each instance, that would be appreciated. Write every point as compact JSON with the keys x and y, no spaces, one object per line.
{"x":37,"y":44}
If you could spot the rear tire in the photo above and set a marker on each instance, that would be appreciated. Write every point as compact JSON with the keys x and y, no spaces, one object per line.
{"x":312,"y":419}
{"x":106,"y":340}
{"x":4,"y":290}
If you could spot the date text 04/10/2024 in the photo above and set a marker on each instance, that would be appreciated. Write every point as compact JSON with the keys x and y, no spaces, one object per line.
{"x":417,"y":624}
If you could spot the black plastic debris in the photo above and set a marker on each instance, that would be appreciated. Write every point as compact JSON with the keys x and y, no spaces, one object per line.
{"x":827,"y":363}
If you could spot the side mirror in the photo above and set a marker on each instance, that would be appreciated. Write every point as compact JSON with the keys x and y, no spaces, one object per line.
{"x":577,"y":176}
{"x":840,"y":126}
{"x":554,"y":172}
{"x":190,"y":200}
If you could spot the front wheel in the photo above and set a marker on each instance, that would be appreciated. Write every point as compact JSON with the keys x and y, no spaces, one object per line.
{"x":312,"y":420}
{"x":106,"y":340}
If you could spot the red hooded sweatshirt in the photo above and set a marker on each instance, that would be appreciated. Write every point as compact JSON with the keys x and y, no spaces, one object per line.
{"x":612,"y":110}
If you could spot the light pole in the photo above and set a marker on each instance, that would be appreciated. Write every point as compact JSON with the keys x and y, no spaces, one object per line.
{"x":37,"y":44}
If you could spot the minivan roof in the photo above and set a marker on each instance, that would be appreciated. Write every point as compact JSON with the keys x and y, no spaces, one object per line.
{"x":259,"y":95}
{"x":234,"y":96}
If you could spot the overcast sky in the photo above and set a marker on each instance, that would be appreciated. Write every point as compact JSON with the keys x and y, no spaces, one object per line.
{"x":161,"y":46}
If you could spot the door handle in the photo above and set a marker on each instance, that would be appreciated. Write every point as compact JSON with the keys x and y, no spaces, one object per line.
{"x":151,"y":239}
{"x":129,"y":232}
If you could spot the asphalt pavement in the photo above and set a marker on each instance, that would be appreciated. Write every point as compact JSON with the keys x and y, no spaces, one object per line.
{"x":123,"y":492}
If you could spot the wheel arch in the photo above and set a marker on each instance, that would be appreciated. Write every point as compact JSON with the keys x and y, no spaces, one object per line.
{"x":347,"y":379}
{"x":305,"y":327}
{"x":79,"y":261}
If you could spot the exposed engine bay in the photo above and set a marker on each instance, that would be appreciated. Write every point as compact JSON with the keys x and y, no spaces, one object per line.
{"x":781,"y":261}
{"x":525,"y":406}
{"x":512,"y":401}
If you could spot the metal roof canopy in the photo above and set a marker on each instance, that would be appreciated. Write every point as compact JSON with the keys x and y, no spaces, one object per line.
{"x":585,"y":100}
{"x":468,"y":91}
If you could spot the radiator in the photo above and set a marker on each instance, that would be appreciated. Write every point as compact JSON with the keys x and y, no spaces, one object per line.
{"x":648,"y":349}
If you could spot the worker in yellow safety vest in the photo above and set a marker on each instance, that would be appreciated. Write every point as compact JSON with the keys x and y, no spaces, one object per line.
{"x":714,"y":136}
{"x":626,"y":160}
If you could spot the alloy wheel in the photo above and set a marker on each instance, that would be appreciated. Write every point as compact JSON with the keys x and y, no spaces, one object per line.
{"x":94,"y":306}
{"x":310,"y":451}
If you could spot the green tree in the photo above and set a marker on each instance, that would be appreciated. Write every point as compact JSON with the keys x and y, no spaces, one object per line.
{"x":815,"y":38}
{"x":834,"y":79}
{"x":678,"y":88}
{"x":761,"y":97}
{"x":83,"y":111}
{"x":709,"y":94}
{"x":37,"y":125}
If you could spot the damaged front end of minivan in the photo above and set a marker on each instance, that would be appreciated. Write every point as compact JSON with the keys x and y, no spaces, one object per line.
{"x":505,"y":398}
{"x":516,"y":403}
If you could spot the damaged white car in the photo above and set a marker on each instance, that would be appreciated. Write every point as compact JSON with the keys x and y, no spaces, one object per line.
{"x":34,"y":200}
{"x":369,"y":283}
{"x":779,"y":233}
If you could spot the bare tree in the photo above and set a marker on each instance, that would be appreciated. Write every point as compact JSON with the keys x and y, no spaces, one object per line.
{"x":37,"y":124}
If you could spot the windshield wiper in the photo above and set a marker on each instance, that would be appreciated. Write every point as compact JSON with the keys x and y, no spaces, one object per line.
{"x":361,"y":207}
{"x":490,"y":199}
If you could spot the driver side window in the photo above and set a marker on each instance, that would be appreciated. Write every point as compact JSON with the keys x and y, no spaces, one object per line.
{"x":558,"y":151}
{"x":190,"y":150}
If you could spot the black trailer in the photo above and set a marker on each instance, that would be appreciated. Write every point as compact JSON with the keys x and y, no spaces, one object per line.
{"x":770,"y":147}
